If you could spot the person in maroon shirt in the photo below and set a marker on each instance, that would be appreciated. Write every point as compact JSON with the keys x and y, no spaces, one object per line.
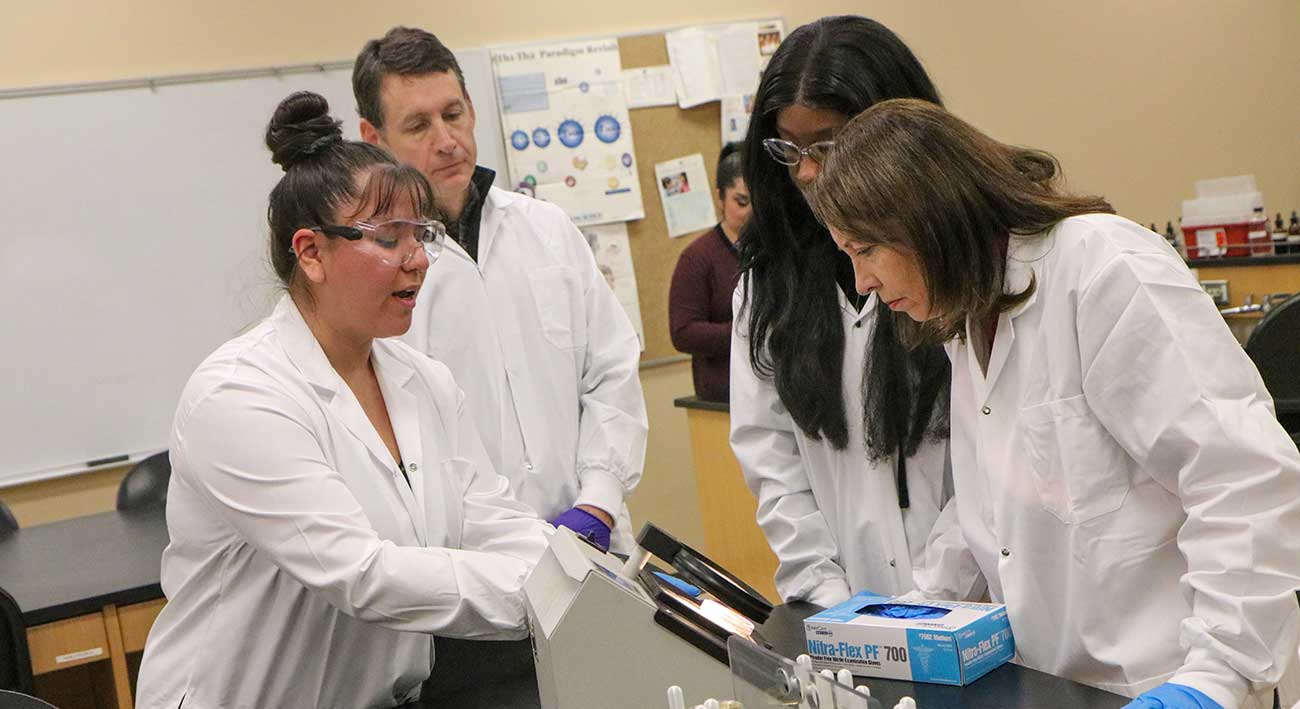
{"x":699,"y":300}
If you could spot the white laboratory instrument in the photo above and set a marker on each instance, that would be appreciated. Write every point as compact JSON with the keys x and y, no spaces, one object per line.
{"x":607,"y":633}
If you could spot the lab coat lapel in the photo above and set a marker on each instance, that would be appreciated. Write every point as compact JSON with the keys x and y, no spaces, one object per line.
{"x":306,"y":354}
{"x":1022,"y":253}
{"x":395,"y":379}
{"x":493,"y":214}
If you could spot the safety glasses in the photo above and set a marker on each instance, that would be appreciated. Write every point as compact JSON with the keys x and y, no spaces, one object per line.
{"x":394,"y":241}
{"x":787,"y":153}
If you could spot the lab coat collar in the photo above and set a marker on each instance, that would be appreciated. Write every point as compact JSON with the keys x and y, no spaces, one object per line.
{"x":303,"y":350}
{"x":851,"y":314}
{"x":1024,"y":254}
{"x":494,"y":207}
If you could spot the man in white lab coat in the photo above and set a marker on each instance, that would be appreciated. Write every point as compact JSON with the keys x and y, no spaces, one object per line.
{"x":517,"y":309}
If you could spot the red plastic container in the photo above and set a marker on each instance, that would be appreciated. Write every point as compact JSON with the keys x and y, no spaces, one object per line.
{"x":1233,"y":239}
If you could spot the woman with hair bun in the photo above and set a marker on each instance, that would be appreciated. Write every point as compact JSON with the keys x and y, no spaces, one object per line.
{"x":331,"y":505}
{"x":699,"y":300}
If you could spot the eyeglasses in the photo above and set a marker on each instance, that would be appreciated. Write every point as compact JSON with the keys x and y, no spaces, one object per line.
{"x":395,"y":241}
{"x":787,"y":153}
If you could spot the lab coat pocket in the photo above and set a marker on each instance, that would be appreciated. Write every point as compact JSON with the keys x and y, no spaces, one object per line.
{"x":555,"y":292}
{"x":1079,"y":470}
{"x":457,"y":478}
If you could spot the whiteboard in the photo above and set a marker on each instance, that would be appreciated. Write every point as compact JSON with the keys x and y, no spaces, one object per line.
{"x":135,"y":243}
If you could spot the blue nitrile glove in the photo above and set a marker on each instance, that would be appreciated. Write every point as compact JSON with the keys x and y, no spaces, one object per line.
{"x":1172,"y":696}
{"x":585,"y":524}
{"x":688,"y":589}
{"x":903,"y":611}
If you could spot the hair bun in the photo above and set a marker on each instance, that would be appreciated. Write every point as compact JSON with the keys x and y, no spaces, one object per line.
{"x":301,"y":127}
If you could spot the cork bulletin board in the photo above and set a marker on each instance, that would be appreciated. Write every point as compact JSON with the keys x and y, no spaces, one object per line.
{"x":662,"y":133}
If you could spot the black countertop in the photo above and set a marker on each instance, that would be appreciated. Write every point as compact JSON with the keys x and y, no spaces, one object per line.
{"x":66,"y":569}
{"x":483,"y":674}
{"x":1008,"y":687}
{"x":70,"y":568}
{"x":1234,"y":261}
{"x":695,"y":402}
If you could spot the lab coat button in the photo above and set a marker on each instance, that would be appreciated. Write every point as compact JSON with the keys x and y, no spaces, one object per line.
{"x":413,"y":467}
{"x":891,"y":562}
{"x":1006,"y":551}
{"x":528,"y":467}
{"x":986,"y":411}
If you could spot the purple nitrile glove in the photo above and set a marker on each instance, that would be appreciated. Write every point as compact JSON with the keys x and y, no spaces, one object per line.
{"x":585,"y":524}
{"x":1172,"y":696}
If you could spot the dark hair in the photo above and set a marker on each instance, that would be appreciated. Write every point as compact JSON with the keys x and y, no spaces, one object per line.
{"x":791,"y":265}
{"x":404,"y":51}
{"x":320,"y":173}
{"x":731,"y":165}
{"x":910,"y":174}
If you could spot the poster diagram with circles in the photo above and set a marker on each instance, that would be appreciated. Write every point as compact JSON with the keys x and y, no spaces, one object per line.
{"x":564,"y":119}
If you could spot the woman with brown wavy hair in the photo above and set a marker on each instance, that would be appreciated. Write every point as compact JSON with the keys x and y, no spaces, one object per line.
{"x":1121,"y":482}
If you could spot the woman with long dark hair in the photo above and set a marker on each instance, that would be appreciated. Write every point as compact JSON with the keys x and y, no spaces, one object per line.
{"x":1122,"y":483}
{"x":838,"y":429}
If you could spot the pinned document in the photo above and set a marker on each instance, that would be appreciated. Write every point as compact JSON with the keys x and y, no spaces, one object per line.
{"x":687,"y":199}
{"x":712,"y":62}
{"x":609,"y":244}
{"x":735,"y":117}
{"x":649,"y":86}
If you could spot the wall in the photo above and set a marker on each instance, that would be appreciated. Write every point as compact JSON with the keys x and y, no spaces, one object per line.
{"x":1138,"y":99}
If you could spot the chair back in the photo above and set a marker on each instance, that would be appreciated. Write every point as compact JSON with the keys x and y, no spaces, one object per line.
{"x":19,"y":700}
{"x":15,"y":661}
{"x":1274,"y":346}
{"x":8,"y":524}
{"x":146,"y":484}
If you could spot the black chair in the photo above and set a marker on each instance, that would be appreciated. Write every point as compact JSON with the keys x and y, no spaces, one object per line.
{"x":1274,"y":346}
{"x":8,"y":525}
{"x":146,"y":484}
{"x":15,"y":661}
{"x":18,"y":700}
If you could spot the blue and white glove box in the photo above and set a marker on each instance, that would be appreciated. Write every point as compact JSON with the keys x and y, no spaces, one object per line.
{"x":941,"y":642}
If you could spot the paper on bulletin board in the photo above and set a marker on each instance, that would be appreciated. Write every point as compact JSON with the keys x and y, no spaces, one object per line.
{"x":735,"y":117}
{"x":770,"y":34}
{"x":649,"y":86}
{"x":567,"y":135}
{"x":712,"y":62}
{"x":687,"y":199}
{"x":613,"y":254}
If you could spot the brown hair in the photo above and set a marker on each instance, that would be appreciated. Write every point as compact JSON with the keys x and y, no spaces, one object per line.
{"x":403,"y":51}
{"x":908,"y":174}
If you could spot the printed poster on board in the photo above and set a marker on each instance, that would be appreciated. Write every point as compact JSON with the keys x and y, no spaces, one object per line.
{"x":609,"y":244}
{"x":565,"y":122}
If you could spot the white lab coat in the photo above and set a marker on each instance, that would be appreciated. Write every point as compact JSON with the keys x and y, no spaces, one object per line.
{"x":546,"y":356}
{"x":303,"y":570}
{"x":1121,"y":482}
{"x":831,"y":517}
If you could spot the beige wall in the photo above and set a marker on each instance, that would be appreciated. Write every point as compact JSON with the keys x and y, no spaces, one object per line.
{"x":1138,"y":99}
